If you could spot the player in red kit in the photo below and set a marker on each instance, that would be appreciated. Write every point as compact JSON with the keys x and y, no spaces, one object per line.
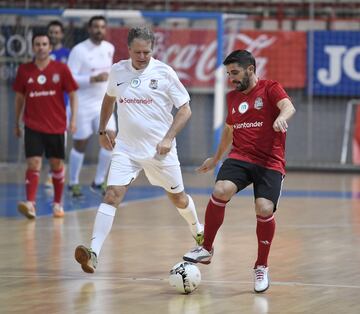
{"x":39,"y":86}
{"x":256,"y":125}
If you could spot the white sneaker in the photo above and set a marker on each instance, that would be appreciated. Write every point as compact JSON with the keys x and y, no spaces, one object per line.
{"x":58,"y":210}
{"x":27,"y":208}
{"x":199,"y":255}
{"x":261,"y":279}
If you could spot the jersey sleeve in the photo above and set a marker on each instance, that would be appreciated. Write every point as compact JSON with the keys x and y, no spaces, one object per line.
{"x":69,"y":82}
{"x":176,"y":91}
{"x":19,"y":83}
{"x":276,"y":93}
{"x":229,"y":119}
{"x":111,"y":88}
{"x":74,"y":63}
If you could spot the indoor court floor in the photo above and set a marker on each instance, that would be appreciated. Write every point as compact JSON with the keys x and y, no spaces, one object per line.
{"x":314,"y":260}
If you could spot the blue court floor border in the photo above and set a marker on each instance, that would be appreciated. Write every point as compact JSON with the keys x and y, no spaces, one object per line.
{"x":10,"y":194}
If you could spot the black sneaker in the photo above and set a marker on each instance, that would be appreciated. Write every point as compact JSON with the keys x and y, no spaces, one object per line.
{"x":98,"y":188}
{"x":75,"y":190}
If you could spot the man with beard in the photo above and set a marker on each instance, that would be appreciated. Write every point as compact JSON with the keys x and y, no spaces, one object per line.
{"x":256,"y":125}
{"x":55,"y":30}
{"x":90,"y":62}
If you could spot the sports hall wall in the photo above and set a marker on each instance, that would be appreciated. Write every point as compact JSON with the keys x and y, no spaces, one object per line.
{"x":319,"y":68}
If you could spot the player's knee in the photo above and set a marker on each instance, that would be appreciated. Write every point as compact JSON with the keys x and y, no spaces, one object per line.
{"x":221,"y":192}
{"x":180,"y":200}
{"x":111,"y":198}
{"x":264,"y":207}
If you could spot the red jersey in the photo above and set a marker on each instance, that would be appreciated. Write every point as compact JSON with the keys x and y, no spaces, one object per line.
{"x":44,"y":95}
{"x":252,"y":116}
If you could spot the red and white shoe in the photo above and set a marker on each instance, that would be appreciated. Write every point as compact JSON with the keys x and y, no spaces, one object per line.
{"x":27,"y":209}
{"x":58,"y":210}
{"x":261,"y":279}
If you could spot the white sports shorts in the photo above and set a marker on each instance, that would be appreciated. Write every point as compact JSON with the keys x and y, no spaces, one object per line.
{"x":88,"y":123}
{"x":124,"y":170}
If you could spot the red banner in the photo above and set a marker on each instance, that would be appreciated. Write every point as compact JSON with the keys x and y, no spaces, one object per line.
{"x":280,"y":56}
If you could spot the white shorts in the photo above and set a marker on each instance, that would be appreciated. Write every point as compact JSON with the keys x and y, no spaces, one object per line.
{"x":88,"y":124}
{"x":124,"y":170}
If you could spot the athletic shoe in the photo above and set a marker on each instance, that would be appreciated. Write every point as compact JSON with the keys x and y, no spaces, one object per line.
{"x":75,"y":190}
{"x":86,"y":258}
{"x":199,"y":238}
{"x":261,"y":278}
{"x":199,"y":255}
{"x":98,"y":188}
{"x":58,"y":210}
{"x":27,"y":208}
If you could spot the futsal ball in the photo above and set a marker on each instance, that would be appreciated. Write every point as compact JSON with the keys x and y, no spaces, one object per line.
{"x":185,"y":277}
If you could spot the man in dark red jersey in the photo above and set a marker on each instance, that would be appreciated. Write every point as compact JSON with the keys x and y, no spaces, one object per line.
{"x":256,"y":125}
{"x":39,"y":86}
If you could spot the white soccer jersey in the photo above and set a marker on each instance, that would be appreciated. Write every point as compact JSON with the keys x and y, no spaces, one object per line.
{"x":85,"y":60}
{"x":145,"y":100}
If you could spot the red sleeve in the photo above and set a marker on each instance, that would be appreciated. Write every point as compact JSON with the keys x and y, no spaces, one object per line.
{"x":229,"y":119}
{"x":69,"y":82}
{"x":19,"y":83}
{"x":276,"y":92}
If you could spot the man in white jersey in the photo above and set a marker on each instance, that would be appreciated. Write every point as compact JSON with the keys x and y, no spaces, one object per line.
{"x":90,"y":62}
{"x":146,"y":91}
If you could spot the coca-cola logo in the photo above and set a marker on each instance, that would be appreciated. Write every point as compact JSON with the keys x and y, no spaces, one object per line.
{"x":197,"y":61}
{"x":192,"y":53}
{"x":187,"y":59}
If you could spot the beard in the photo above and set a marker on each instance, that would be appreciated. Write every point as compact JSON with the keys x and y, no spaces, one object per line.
{"x":243,"y":84}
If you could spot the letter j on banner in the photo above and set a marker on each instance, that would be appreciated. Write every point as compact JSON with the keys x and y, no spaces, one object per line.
{"x":336,"y":63}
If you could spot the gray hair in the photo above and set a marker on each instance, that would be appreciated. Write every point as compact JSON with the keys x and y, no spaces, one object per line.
{"x":141,"y":33}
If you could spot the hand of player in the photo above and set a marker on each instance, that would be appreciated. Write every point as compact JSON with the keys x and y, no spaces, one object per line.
{"x":164,"y":146}
{"x":72,"y":126}
{"x":280,"y":125}
{"x":207,"y":165}
{"x":107,"y":140}
{"x":101,"y":77}
{"x":17,"y":131}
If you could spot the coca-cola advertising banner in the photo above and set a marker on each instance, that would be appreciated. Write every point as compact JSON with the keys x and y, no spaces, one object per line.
{"x":280,"y":56}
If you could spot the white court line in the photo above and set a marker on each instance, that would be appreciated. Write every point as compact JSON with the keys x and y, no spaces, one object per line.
{"x":211,"y":282}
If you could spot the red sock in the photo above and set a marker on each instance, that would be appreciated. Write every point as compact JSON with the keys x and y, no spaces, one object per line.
{"x":31,"y":184}
{"x":265,"y":230}
{"x":214,"y":217}
{"x":58,"y":179}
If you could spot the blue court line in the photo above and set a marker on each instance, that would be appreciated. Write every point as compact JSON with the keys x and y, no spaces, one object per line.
{"x":10,"y":194}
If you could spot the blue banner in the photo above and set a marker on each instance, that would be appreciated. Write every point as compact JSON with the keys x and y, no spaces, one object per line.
{"x":336,"y":63}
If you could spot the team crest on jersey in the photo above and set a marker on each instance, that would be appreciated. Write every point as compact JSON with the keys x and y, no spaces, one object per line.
{"x":56,"y":78}
{"x":258,"y":103}
{"x":135,"y":82}
{"x":243,"y":107}
{"x":41,"y":79}
{"x":153,"y":84}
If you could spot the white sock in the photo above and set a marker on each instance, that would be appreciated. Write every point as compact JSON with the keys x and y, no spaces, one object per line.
{"x":102,"y":168}
{"x":102,"y":226}
{"x":76,"y":160}
{"x":189,"y":214}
